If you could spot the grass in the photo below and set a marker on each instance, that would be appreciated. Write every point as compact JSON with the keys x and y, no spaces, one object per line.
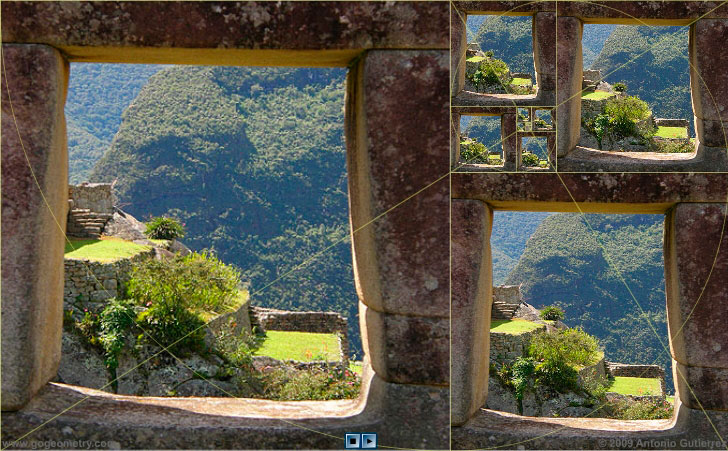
{"x":514,"y":326}
{"x":670,"y":399}
{"x":236,"y":303}
{"x":641,"y":386}
{"x":106,"y":249}
{"x":357,"y":367}
{"x":521,"y":82}
{"x":672,"y":132}
{"x":301,"y":346}
{"x":597,"y":95}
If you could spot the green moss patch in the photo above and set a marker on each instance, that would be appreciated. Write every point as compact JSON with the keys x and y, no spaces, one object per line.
{"x":672,"y":132}
{"x":639,"y":386}
{"x":106,"y":249}
{"x":301,"y":346}
{"x":521,"y":82}
{"x":597,"y":95}
{"x":514,"y":326}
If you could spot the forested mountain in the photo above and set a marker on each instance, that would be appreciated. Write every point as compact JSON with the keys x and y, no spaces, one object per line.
{"x":97,"y":95}
{"x":511,"y":231}
{"x":592,"y":266}
{"x":653,"y":62}
{"x":252,"y":161}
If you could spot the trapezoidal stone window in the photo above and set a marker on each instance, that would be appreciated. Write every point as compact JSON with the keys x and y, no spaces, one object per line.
{"x":557,"y":35}
{"x":396,"y":100}
{"x":288,"y":121}
{"x":581,"y":265}
{"x":492,"y":139}
{"x":691,"y":264}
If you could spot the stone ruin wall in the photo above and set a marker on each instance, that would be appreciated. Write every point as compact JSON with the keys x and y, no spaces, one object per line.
{"x":97,"y":197}
{"x":506,"y":348}
{"x":315,"y":322}
{"x":95,"y":282}
{"x":509,"y":294}
{"x":651,"y":371}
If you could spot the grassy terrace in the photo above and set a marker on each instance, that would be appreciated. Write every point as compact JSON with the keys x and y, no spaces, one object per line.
{"x":514,"y":326}
{"x":301,"y":346}
{"x":672,"y":132}
{"x":106,"y":249}
{"x":641,"y":386}
{"x":597,"y":95}
{"x":521,"y":82}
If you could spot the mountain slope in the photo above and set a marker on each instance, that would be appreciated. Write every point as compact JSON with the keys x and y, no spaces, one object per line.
{"x":97,"y":95}
{"x":252,"y":160}
{"x":653,"y":62}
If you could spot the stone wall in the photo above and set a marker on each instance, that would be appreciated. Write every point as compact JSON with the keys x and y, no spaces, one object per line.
{"x":506,"y":348}
{"x":97,"y":197}
{"x":626,"y":370}
{"x":94,"y":282}
{"x":661,"y":122}
{"x":509,"y":294}
{"x":315,"y":322}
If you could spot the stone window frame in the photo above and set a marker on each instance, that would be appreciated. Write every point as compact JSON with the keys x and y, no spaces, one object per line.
{"x":694,"y":218}
{"x":404,"y":307}
{"x":510,"y":140}
{"x":564,"y":21}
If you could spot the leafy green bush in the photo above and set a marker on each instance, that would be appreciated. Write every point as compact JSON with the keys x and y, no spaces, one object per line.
{"x":314,"y":384}
{"x":620,"y":87}
{"x":115,"y":322}
{"x":472,"y":151}
{"x":172,"y":326}
{"x":161,"y":228}
{"x":572,"y":346}
{"x":491,"y":72}
{"x":551,"y":313}
{"x":175,"y":292}
{"x":522,"y":371}
{"x":557,"y":374}
{"x":641,"y":409}
{"x":623,"y":112}
{"x":198,"y":281}
{"x":530,"y":159}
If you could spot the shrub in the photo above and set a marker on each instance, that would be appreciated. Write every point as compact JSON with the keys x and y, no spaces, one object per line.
{"x":572,"y":346}
{"x":551,"y":313}
{"x":115,"y":322}
{"x":623,"y":112}
{"x":558,"y":375}
{"x":314,"y":384}
{"x":174,"y":327}
{"x":641,"y":409}
{"x":620,"y":87}
{"x":522,"y":371}
{"x":530,"y":159}
{"x":472,"y":151}
{"x":198,"y":281}
{"x":491,"y":72}
{"x":161,"y":228}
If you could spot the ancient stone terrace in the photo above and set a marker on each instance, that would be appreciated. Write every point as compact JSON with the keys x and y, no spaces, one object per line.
{"x":557,"y":53}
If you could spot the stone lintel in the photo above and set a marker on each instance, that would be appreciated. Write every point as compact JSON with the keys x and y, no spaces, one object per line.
{"x":596,"y":193}
{"x":201,"y":32}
